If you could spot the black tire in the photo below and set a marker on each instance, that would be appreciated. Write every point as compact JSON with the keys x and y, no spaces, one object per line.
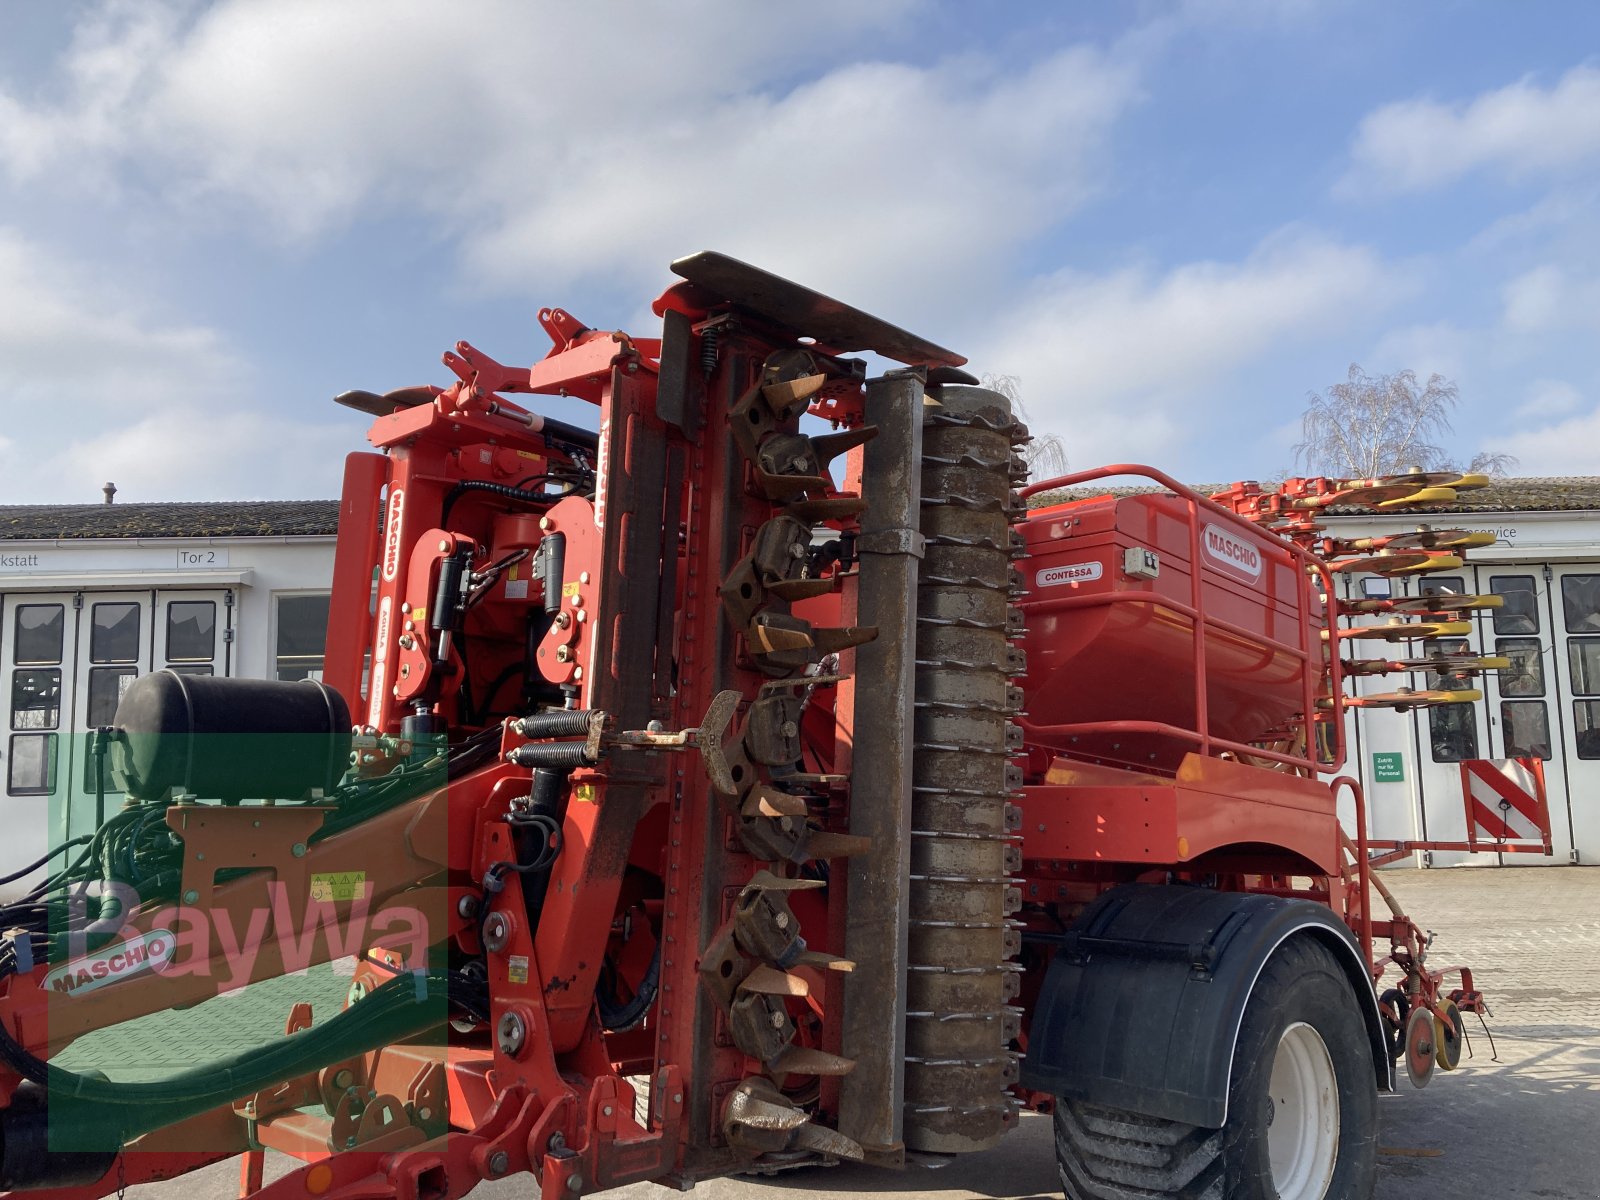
{"x":1396,"y":1033}
{"x":1109,"y":1154}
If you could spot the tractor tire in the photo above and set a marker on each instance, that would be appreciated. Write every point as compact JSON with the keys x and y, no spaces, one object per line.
{"x":1302,"y":1057}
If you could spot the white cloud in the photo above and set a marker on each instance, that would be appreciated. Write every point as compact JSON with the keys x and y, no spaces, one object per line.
{"x":552,"y":146}
{"x":1567,"y":447}
{"x":1549,"y":298}
{"x":877,"y":181}
{"x":1110,"y":361}
{"x":99,"y":386}
{"x":1436,"y":347}
{"x":1546,"y":398}
{"x":1520,"y":130}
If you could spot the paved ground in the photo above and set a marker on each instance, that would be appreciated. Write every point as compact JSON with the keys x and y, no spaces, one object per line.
{"x":1525,"y":1126}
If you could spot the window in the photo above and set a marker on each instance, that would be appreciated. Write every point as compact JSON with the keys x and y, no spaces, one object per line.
{"x":1520,"y":613}
{"x":114,"y":636}
{"x":1452,"y":728}
{"x":32,"y":771}
{"x":1586,"y":722}
{"x":1526,"y":727}
{"x":37,"y":640}
{"x":191,"y":631}
{"x":302,"y":636}
{"x":39,"y":632}
{"x":1580,"y":601}
{"x":36,"y":698}
{"x":106,"y":687}
{"x":1525,"y":675}
{"x":1583,"y":654}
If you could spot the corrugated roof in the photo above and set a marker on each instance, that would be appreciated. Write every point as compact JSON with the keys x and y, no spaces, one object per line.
{"x":221,"y":518}
{"x":1542,"y":493}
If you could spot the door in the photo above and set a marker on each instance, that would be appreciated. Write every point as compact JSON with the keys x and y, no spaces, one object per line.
{"x":37,"y":633}
{"x":1522,"y":699}
{"x":1575,"y":620}
{"x":123,"y":635}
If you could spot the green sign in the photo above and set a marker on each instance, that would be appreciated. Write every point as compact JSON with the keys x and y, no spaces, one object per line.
{"x":1388,"y":768}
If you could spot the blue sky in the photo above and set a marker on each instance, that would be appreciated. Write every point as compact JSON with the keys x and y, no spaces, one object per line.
{"x":1168,"y":221}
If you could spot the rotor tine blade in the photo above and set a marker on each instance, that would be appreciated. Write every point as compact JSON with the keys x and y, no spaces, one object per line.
{"x":789,"y":392}
{"x":767,"y":881}
{"x":825,"y":962}
{"x":769,"y":639}
{"x":770,"y":981}
{"x":806,"y":1060}
{"x":767,"y":801}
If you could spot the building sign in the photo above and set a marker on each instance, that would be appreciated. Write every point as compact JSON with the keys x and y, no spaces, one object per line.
{"x":58,"y":560}
{"x":1388,"y":767}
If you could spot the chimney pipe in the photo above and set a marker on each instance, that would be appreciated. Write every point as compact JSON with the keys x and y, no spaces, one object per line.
{"x":109,"y":491}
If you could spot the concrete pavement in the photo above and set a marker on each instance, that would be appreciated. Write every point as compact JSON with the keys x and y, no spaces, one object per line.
{"x":1525,"y":1126}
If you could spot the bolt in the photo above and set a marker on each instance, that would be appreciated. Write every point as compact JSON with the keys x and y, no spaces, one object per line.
{"x":444,"y":546}
{"x":510,"y":1034}
{"x":781,"y":920}
{"x":777,"y":1020}
{"x":191,"y":896}
{"x":545,"y":523}
{"x":343,"y":1079}
{"x":407,"y":641}
{"x":496,"y":932}
{"x":583,"y":577}
{"x":582,"y":616}
{"x":577,"y":672}
{"x":298,"y":850}
{"x":201,"y":857}
{"x":605,"y":1110}
{"x":563,"y":653}
{"x":575,"y":1184}
{"x":499,"y":1162}
{"x":467,"y":907}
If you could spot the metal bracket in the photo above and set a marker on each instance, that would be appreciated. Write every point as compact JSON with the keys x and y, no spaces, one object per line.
{"x":892,"y":541}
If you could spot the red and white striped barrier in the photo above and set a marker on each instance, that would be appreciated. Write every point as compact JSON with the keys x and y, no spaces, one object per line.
{"x":1505,"y":801}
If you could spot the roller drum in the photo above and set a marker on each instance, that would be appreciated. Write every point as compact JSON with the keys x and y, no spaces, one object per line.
{"x":961,"y":981}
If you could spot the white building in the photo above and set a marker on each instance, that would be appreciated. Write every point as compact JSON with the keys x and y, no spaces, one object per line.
{"x":93,"y":596}
{"x":1546,"y":567}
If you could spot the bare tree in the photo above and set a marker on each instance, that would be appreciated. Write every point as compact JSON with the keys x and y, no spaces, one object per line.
{"x":1045,"y":453}
{"x":1383,"y":425}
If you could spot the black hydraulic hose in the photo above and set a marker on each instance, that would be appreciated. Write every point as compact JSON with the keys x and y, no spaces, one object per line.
{"x":494,"y":489}
{"x":619,"y":1018}
{"x":35,"y":865}
{"x":547,"y":806}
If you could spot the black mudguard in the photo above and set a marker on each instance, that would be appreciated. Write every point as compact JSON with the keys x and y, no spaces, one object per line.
{"x":1141,"y":1005}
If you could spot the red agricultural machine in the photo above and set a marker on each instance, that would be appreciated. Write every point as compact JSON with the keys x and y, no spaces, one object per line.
{"x":752,"y":780}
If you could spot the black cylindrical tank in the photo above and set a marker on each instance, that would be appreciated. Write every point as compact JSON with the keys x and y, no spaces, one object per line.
{"x":229,"y":739}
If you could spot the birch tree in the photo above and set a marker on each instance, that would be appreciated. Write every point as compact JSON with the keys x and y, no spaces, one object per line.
{"x":1045,"y":453}
{"x":1383,"y":425}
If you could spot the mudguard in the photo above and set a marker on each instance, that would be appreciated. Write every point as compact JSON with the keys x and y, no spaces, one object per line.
{"x":1141,"y":1006}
